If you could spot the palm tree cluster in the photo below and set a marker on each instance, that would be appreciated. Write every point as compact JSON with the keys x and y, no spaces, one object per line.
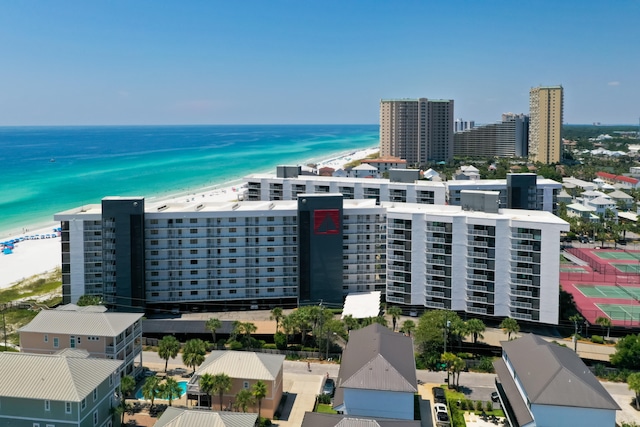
{"x":219,"y":384}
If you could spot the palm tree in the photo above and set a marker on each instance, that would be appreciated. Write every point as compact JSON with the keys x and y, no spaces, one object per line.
{"x":605,"y":322}
{"x":212,"y":325}
{"x":448,"y":359}
{"x":150,"y":389}
{"x":350,"y":322}
{"x":475,"y":327}
{"x":222,"y":384}
{"x":127,"y":385}
{"x":171,"y":389}
{"x":207,"y":385}
{"x":395,"y":312}
{"x":276,"y":314}
{"x":194,"y":352}
{"x":408,"y":326}
{"x":244,"y":398}
{"x":509,"y":326}
{"x":259,"y":391}
{"x":458,"y":366}
{"x":168,"y":348}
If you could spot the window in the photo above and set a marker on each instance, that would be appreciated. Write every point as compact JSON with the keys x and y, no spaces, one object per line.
{"x":179,"y":221}
{"x":47,"y":405}
{"x":155,"y":294}
{"x":95,"y":418}
{"x":84,"y":403}
{"x":193,"y":220}
{"x":55,"y":342}
{"x":193,"y":230}
{"x":46,"y":338}
{"x":232,"y":230}
{"x":194,"y":272}
{"x":111,"y":379}
{"x":193,"y":252}
{"x":194,"y":292}
{"x":36,"y":424}
{"x":67,"y":407}
{"x":245,"y":384}
{"x":193,"y":241}
{"x":194,"y":261}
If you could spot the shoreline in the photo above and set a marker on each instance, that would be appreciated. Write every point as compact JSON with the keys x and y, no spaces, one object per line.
{"x":33,"y":257}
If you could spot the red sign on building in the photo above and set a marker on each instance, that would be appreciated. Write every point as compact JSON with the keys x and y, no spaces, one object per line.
{"x":326,"y":221}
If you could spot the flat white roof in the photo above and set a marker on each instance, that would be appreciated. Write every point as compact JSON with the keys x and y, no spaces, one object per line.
{"x":362,"y":305}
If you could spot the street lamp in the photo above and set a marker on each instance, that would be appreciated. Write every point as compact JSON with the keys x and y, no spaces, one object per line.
{"x":447,"y":324}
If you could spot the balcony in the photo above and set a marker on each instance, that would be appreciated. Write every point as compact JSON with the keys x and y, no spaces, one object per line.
{"x":434,"y":304}
{"x":436,"y":239}
{"x":522,"y":270}
{"x":478,"y":244}
{"x":521,"y":304}
{"x":521,"y":316}
{"x":478,"y":233}
{"x":477,"y":299}
{"x":521,"y":258}
{"x":522,"y":282}
{"x":434,"y":282}
{"x":477,"y":288}
{"x":436,"y":272}
{"x":435,"y":261}
{"x":435,"y":250}
{"x":395,"y":299}
{"x":478,"y":254}
{"x":477,"y":310}
{"x":482,"y":277}
{"x":522,"y":247}
{"x":478,"y":265}
{"x":395,"y":289}
{"x":521,"y":293}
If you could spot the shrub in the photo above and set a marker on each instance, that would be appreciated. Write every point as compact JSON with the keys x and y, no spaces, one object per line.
{"x":264,"y":422}
{"x":324,"y":398}
{"x":295,"y":347}
{"x":280,"y":341}
{"x":469,"y":404}
{"x":270,"y":346}
{"x":234,"y":345}
{"x":597,"y":339}
{"x":293,"y":356}
{"x":486,"y":365}
{"x":489,"y":406}
{"x":465,"y":355}
{"x":479,"y":405}
{"x":463,"y":405}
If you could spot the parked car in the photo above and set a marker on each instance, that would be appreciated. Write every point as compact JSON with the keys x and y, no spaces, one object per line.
{"x":329,"y":387}
{"x":622,"y":242}
{"x":442,"y":419}
{"x":440,"y":407}
{"x":438,"y":395}
{"x":495,"y":397}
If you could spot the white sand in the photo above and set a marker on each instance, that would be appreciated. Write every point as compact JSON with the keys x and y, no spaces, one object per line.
{"x":32,"y":257}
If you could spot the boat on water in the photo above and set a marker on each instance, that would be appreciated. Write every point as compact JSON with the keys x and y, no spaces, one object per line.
{"x":52,"y":160}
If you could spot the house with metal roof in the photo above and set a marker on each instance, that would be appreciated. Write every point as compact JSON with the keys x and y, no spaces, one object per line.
{"x":102,"y":334}
{"x":245,"y":368}
{"x":545,"y":384}
{"x":68,"y":389}
{"x":176,"y":417}
{"x":317,"y":419}
{"x":377,"y":375}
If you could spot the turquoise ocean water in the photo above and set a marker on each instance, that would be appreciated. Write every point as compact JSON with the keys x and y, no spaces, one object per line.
{"x":46,"y":170}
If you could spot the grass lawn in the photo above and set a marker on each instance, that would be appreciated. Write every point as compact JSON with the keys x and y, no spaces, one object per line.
{"x":325,"y":409}
{"x":32,"y":287}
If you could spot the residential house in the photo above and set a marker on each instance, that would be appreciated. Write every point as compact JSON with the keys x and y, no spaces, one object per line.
{"x":384,"y":164}
{"x":317,"y":419}
{"x":70,"y":389}
{"x":545,"y":384}
{"x":619,"y":181}
{"x":176,"y":417}
{"x":102,"y":334}
{"x":364,"y":171}
{"x":622,"y":199}
{"x":245,"y":368}
{"x":377,"y":375}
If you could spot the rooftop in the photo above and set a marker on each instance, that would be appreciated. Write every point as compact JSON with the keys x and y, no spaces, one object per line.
{"x":243,"y":364}
{"x":83,"y":322}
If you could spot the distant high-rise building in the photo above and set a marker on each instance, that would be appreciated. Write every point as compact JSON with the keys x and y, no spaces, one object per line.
{"x":507,"y":138}
{"x":462,"y":125}
{"x":545,"y":124}
{"x":417,"y":130}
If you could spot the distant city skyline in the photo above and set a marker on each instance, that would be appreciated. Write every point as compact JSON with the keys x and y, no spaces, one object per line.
{"x":330,"y":62}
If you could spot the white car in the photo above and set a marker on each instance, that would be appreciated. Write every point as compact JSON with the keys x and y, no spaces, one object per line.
{"x":440,"y":407}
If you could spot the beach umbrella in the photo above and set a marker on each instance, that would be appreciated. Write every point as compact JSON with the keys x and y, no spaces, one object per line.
{"x":7,"y":251}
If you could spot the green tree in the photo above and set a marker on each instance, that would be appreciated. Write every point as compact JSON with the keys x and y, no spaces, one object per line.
{"x":605,"y":322}
{"x":509,"y":326}
{"x":244,"y":398}
{"x":194,"y":352}
{"x":395,"y":312}
{"x":212,"y":326}
{"x":633,"y":380}
{"x":207,"y":385}
{"x":448,"y":359}
{"x":171,"y":390}
{"x":151,"y":389}
{"x":85,"y":300}
{"x":458,"y":366}
{"x":408,"y":326}
{"x":259,"y":391}
{"x":430,"y":333}
{"x":627,"y":355}
{"x":168,"y":348}
{"x":221,"y":385}
{"x":350,"y":322}
{"x":277,"y":315}
{"x":127,"y":385}
{"x":475,"y":327}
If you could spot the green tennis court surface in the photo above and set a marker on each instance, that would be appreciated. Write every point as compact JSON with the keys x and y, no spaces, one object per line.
{"x":620,"y":311}
{"x":608,"y":292}
{"x":617,"y":255}
{"x":572,"y":270}
{"x":627,"y":268}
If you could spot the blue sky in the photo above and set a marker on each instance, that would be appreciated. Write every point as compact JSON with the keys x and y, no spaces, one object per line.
{"x":298,"y":62}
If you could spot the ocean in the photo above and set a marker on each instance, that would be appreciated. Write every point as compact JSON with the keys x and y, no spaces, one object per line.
{"x":46,"y":170}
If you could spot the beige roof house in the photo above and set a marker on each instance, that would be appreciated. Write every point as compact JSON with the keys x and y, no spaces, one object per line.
{"x":316,"y":419}
{"x":175,"y":417}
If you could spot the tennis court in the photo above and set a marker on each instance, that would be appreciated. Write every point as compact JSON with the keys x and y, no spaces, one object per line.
{"x":627,"y":268}
{"x":615,"y":255}
{"x":599,"y":291}
{"x":621,"y":311}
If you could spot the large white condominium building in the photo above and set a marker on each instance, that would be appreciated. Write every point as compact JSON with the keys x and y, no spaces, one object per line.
{"x":486,"y":261}
{"x":210,"y":256}
{"x":417,"y":130}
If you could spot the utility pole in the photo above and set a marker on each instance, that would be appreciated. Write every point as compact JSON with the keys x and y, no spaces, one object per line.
{"x":4,"y":327}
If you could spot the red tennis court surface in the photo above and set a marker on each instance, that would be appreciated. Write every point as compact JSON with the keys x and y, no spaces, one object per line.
{"x":601,"y":288}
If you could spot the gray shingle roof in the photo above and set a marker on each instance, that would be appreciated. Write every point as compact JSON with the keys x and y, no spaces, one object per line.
{"x":84,"y":322}
{"x":554,"y":375}
{"x":51,"y":376}
{"x":316,"y":419}
{"x":243,"y":364}
{"x":377,"y":358}
{"x":175,"y":417}
{"x":518,"y":406}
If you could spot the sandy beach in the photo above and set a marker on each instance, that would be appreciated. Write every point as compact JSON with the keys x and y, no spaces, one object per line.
{"x":32,"y":257}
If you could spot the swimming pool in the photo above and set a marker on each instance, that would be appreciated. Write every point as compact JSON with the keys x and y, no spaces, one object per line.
{"x":182,"y":384}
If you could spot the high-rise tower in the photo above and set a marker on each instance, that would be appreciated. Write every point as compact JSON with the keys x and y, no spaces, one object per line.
{"x":417,"y":130}
{"x":545,"y":124}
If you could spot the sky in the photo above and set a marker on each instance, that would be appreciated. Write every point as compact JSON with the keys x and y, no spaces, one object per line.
{"x":150,"y":62}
